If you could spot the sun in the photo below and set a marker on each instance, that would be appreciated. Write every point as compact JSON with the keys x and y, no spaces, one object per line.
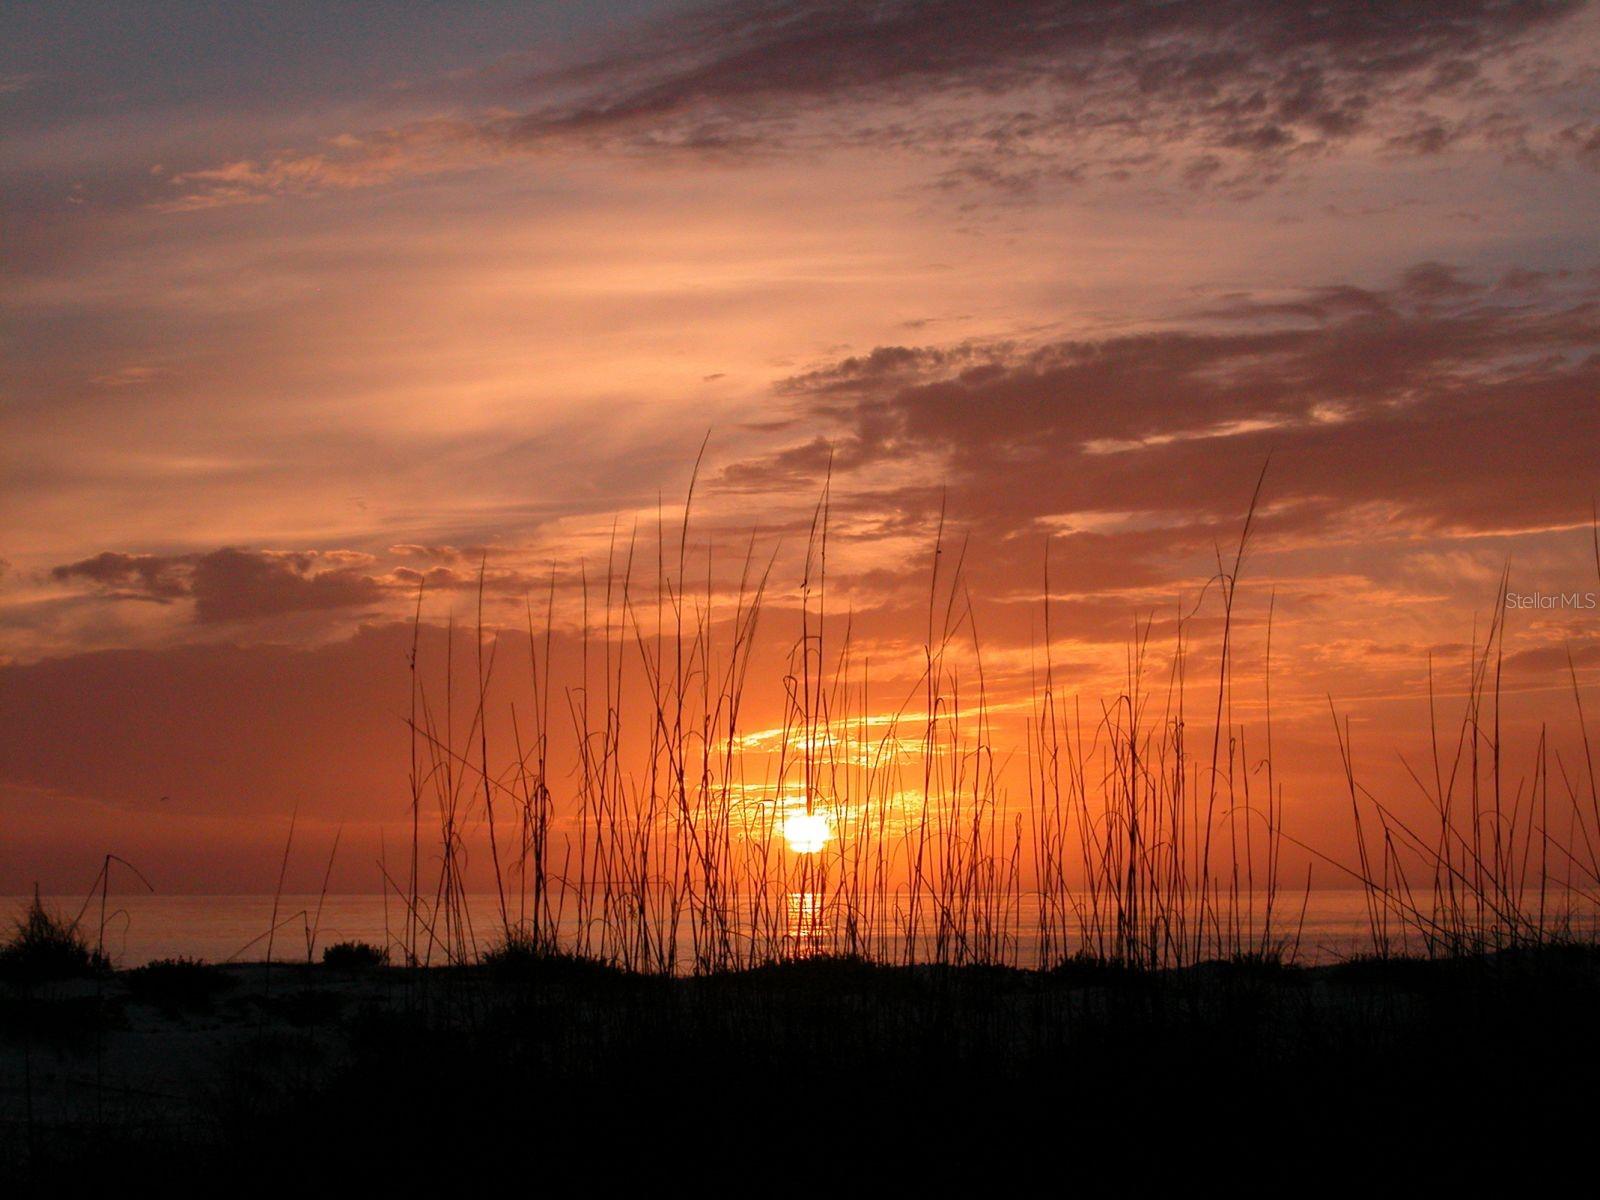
{"x":806,"y":833}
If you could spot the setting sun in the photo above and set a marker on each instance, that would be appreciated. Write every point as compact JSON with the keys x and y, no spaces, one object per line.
{"x":806,"y":833}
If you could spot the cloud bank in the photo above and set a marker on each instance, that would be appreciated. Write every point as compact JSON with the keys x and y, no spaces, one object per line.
{"x":1228,"y":96}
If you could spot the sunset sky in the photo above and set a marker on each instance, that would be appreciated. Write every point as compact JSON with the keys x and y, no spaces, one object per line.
{"x":305,"y":304}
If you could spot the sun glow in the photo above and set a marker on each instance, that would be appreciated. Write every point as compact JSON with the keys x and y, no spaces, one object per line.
{"x":806,"y":833}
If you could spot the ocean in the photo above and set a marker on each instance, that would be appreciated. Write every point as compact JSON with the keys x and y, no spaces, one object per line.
{"x":138,"y":929}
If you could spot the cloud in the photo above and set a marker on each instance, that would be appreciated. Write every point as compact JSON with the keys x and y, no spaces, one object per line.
{"x":343,"y":162}
{"x":497,"y":582}
{"x":225,"y":732}
{"x":233,"y":585}
{"x":1440,"y":405}
{"x":1227,"y":95}
{"x":1257,"y":76}
{"x":136,"y":375}
{"x":132,"y":576}
{"x":1555,"y":660}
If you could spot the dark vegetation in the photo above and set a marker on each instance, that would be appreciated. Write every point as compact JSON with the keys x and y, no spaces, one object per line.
{"x":46,"y":946}
{"x":177,"y":985}
{"x":354,"y":956}
{"x":586,"y":1073}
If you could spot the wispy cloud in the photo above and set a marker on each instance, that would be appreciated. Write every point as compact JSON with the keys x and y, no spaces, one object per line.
{"x":1227,"y":96}
{"x":344,"y":161}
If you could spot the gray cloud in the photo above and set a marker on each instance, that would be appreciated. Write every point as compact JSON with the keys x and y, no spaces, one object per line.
{"x":1009,"y":94}
{"x":1446,"y":402}
{"x":1259,"y":76}
{"x":233,"y":585}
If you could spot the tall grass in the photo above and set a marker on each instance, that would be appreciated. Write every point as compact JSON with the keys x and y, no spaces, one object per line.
{"x":1507,"y":854}
{"x":631,"y":815}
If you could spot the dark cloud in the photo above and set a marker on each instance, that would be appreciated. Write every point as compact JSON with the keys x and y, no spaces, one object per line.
{"x":1037,"y":91}
{"x":1554,"y":660}
{"x":132,"y":576}
{"x":228,"y":734}
{"x":1441,"y":404}
{"x":1007,"y":95}
{"x":1250,"y":75}
{"x":1436,"y":281}
{"x":233,"y":585}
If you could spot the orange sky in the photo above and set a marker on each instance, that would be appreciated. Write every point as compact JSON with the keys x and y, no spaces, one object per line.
{"x":299,"y":313}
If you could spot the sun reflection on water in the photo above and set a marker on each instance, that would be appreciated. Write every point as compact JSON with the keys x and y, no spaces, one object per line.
{"x":803,"y":922}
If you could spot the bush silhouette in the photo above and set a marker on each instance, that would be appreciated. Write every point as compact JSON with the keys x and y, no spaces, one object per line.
{"x":47,"y":946}
{"x":354,"y":955}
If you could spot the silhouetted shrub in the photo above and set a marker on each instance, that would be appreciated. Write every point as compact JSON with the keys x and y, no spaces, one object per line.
{"x":46,"y":946}
{"x":354,"y":956}
{"x":519,"y":954}
{"x":178,"y":984}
